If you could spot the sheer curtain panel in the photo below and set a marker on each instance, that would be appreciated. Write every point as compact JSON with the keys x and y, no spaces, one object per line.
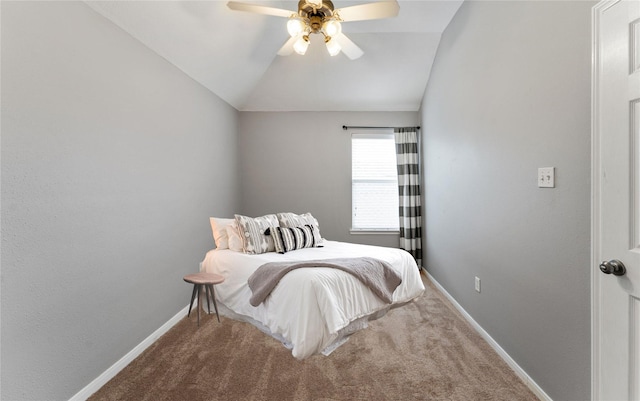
{"x":408,"y":158}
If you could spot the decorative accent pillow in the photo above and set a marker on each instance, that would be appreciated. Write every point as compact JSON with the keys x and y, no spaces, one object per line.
{"x":235,"y":241}
{"x":299,"y":220}
{"x":218,"y":227}
{"x":252,"y":231}
{"x":291,"y":238}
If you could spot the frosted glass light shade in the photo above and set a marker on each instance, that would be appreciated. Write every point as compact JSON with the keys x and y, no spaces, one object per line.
{"x":333,"y":47}
{"x":295,"y":26}
{"x":301,"y":45}
{"x":332,"y":27}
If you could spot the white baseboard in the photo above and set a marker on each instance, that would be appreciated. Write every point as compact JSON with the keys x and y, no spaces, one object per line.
{"x":107,"y":375}
{"x":533,"y":386}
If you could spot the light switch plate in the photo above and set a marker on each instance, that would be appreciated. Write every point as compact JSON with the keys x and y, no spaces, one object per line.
{"x":546,"y":177}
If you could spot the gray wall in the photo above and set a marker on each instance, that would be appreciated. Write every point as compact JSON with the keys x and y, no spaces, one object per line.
{"x":301,"y":162}
{"x":510,"y":92}
{"x":112,"y":162}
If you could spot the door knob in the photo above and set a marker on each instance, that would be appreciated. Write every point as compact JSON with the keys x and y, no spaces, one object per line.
{"x":614,"y":267}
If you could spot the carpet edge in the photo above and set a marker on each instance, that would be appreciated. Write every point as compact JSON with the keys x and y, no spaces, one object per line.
{"x":521,"y":373}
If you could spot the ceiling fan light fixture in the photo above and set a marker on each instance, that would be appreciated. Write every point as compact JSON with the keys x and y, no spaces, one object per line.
{"x":333,"y":47}
{"x":295,"y":26}
{"x":301,"y":44}
{"x":332,"y":27}
{"x":321,"y":17}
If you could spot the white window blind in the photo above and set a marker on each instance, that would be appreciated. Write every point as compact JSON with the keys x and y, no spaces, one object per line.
{"x":374,"y":183}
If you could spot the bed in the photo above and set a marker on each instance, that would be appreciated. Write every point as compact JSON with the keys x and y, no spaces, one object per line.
{"x":311,"y":310}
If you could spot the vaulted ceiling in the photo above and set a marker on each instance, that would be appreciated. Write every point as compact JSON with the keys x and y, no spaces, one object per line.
{"x":233,"y":53}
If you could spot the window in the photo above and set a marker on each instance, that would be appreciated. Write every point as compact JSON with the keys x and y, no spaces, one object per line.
{"x":374,"y":183}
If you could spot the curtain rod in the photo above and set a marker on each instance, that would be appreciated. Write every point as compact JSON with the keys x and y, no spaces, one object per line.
{"x":346,"y":127}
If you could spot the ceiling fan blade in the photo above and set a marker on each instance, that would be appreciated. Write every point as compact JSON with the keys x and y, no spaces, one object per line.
{"x":287,"y":48}
{"x":382,"y":9}
{"x":255,"y":8}
{"x":349,"y":48}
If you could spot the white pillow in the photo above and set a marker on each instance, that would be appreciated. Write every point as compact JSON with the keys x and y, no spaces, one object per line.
{"x":235,"y":242}
{"x":219,"y":229}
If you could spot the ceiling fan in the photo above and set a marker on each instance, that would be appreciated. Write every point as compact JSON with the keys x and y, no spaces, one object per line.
{"x":320,"y":17}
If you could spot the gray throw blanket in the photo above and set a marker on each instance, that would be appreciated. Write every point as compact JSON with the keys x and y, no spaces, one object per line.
{"x":374,"y":273}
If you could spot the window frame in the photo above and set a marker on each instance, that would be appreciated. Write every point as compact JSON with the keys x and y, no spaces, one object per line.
{"x":387,"y":134}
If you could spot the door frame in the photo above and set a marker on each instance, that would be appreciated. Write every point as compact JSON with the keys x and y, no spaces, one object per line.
{"x":596,"y":204}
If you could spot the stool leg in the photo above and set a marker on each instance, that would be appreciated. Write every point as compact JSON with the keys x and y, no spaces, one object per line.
{"x":207,"y":294}
{"x":213,"y":297}
{"x":210,"y":294}
{"x":199,"y":302}
{"x":193,"y":296}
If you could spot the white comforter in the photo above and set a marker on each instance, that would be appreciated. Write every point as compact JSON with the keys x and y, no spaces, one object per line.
{"x":309,"y":307}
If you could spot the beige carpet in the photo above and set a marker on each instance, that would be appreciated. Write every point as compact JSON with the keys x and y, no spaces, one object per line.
{"x":422,"y":351}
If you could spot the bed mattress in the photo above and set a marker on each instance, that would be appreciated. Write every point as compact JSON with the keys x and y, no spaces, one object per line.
{"x":311,"y":310}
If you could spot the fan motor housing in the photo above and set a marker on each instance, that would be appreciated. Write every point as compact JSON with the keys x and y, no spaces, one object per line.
{"x":315,"y":15}
{"x":307,"y":10}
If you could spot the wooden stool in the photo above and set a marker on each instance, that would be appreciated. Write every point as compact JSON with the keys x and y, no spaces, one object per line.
{"x":206,"y":281}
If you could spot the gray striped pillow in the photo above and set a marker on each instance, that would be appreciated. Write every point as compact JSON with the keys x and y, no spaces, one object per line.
{"x":255,"y":240}
{"x":299,"y":220}
{"x":291,"y":238}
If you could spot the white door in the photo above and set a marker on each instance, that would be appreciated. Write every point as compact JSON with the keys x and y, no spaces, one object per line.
{"x":616,"y":200}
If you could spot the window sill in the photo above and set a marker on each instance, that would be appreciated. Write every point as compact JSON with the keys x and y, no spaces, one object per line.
{"x":373,"y":232}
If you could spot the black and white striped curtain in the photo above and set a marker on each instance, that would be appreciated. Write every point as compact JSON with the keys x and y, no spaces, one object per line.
{"x":409,"y":191}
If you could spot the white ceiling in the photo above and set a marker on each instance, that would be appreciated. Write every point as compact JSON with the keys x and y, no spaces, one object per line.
{"x":233,"y":53}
